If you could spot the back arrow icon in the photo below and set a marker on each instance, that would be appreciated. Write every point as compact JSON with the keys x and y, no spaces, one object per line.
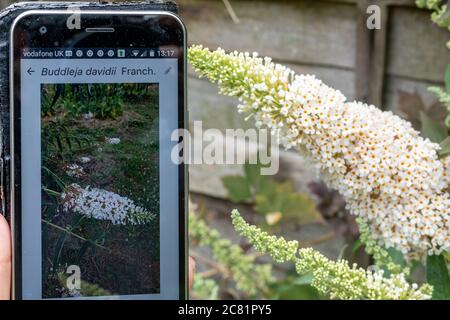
{"x":30,"y":71}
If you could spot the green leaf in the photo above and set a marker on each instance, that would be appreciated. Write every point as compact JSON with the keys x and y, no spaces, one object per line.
{"x":304,"y":280}
{"x":445,"y":148}
{"x":238,"y":188}
{"x":295,"y":207}
{"x":259,"y":184}
{"x":442,"y":19}
{"x":265,"y":205}
{"x":290,"y":290}
{"x":253,"y":174}
{"x":356,"y":245}
{"x":447,"y":71}
{"x":300,"y":208}
{"x":267,"y":187}
{"x":274,"y":198}
{"x":432,"y":129}
{"x":438,"y":277}
{"x":397,"y":256}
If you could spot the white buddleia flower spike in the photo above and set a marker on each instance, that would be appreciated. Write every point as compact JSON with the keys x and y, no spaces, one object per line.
{"x":389,"y":175}
{"x":104,"y":205}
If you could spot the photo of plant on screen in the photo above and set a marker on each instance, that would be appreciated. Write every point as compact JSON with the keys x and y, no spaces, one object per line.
{"x":100,"y":189}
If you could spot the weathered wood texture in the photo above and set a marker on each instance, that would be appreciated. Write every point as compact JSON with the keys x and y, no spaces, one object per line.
{"x":322,"y":37}
{"x":295,"y":31}
{"x":416,"y":47}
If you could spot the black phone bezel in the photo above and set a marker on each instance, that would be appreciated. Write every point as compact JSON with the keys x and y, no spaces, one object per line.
{"x":131,"y":29}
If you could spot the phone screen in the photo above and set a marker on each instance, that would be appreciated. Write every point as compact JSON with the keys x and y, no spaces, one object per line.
{"x":99,"y":192}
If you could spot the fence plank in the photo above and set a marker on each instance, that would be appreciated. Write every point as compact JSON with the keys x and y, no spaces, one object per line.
{"x":416,"y":47}
{"x":303,"y":32}
{"x":379,"y":59}
{"x":363,"y":53}
{"x":394,"y":86}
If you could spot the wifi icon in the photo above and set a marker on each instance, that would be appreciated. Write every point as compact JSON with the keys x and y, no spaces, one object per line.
{"x":135,"y":53}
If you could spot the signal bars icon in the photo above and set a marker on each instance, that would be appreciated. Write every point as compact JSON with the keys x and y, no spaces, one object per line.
{"x":136,"y":53}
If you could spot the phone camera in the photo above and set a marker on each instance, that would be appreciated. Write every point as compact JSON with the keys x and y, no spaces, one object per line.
{"x":43,"y":30}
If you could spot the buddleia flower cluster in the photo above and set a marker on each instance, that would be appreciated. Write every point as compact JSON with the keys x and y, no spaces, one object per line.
{"x":248,"y":277}
{"x":204,"y":289}
{"x":74,"y":170}
{"x":112,"y":140}
{"x":338,"y":279}
{"x":380,"y":255}
{"x":389,"y":175}
{"x":85,"y":159}
{"x":104,"y":205}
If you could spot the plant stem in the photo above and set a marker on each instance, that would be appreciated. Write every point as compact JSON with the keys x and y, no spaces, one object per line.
{"x":73,"y":234}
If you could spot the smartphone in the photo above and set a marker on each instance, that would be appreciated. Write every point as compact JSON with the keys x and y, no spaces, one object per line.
{"x":98,"y":206}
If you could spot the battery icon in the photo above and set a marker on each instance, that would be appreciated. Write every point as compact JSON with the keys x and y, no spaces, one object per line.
{"x":151,"y":53}
{"x":121,"y":53}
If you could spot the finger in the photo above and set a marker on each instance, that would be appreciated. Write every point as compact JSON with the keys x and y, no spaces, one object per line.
{"x":5,"y":259}
{"x":191,"y":271}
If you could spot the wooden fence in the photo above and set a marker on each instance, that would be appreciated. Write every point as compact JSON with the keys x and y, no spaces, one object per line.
{"x":331,"y":40}
{"x":328,"y":38}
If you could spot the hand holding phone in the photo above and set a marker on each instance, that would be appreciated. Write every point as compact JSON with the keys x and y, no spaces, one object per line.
{"x":97,"y":204}
{"x":5,"y":260}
